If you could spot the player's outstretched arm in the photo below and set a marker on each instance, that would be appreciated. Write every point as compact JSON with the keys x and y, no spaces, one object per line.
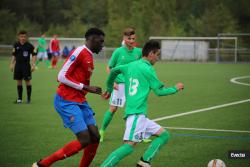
{"x":112,"y":75}
{"x":93,"y":89}
{"x":111,"y":80}
{"x":163,"y":91}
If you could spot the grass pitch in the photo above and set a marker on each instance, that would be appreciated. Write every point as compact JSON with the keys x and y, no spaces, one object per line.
{"x":30,"y":132}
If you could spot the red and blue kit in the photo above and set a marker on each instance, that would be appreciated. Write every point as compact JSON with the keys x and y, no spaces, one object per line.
{"x":54,"y":46}
{"x":75,"y":73}
{"x":70,"y":101}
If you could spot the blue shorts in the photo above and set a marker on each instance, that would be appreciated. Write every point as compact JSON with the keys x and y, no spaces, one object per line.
{"x":56,"y":53}
{"x":76,"y":116}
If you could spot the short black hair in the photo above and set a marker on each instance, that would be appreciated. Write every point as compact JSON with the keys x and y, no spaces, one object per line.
{"x":22,"y":32}
{"x":93,"y":31}
{"x":151,"y":45}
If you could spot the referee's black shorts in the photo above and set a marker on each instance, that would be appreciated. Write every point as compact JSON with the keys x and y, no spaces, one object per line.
{"x":22,"y":72}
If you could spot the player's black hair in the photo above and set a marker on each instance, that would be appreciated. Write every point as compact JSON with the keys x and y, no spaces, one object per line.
{"x":151,"y":45}
{"x":93,"y":31}
{"x":22,"y":32}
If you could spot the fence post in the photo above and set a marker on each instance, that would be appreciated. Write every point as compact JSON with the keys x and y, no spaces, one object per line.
{"x":218,"y":49}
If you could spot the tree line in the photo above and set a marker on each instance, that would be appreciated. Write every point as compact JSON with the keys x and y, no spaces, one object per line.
{"x":71,"y":18}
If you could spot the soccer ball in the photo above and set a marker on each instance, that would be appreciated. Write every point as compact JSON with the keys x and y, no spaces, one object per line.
{"x":216,"y":163}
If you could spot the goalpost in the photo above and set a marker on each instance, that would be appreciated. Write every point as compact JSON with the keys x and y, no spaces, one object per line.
{"x":242,"y":44}
{"x":198,"y":48}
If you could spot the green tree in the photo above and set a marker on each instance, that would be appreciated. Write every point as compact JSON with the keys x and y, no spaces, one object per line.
{"x":175,"y":29}
{"x":218,"y":20}
{"x":75,"y":29}
{"x":214,"y":20}
{"x":88,"y":12}
{"x":240,"y":9}
{"x":8,"y":24}
{"x":32,"y":28}
{"x":118,"y":19}
{"x":70,"y":18}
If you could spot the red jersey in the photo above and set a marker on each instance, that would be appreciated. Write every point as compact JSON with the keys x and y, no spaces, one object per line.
{"x":54,"y":45}
{"x":75,"y":73}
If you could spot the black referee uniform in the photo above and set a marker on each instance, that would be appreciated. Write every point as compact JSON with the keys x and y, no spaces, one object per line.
{"x":22,"y":54}
{"x":22,"y":69}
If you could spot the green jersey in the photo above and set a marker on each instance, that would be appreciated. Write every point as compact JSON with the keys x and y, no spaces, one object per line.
{"x":123,"y":56}
{"x":41,"y":45}
{"x":140,"y":78}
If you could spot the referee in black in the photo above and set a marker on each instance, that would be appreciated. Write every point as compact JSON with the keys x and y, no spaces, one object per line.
{"x":20,"y":64}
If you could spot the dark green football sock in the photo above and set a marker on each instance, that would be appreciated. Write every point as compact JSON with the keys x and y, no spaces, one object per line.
{"x":155,"y":146}
{"x":47,"y":62}
{"x":107,"y":119}
{"x":117,"y":155}
{"x":37,"y":62}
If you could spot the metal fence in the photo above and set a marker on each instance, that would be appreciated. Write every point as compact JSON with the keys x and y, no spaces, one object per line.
{"x":224,"y":48}
{"x":6,"y":50}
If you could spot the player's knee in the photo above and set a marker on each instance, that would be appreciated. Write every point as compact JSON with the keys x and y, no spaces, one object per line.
{"x":84,"y":141}
{"x":19,"y":82}
{"x":113,"y":109}
{"x":83,"y":138}
{"x":95,"y":138}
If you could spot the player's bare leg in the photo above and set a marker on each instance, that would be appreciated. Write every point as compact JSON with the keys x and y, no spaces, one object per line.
{"x":89,"y":151}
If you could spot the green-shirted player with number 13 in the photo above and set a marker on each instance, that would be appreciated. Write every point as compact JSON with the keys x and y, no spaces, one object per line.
{"x":123,"y":55}
{"x":140,"y":78}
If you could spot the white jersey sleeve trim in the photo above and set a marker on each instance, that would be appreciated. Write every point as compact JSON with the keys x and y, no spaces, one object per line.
{"x":62,"y":74}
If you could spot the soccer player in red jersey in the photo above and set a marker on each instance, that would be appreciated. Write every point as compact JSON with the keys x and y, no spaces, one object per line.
{"x":71,"y":104}
{"x":55,"y":50}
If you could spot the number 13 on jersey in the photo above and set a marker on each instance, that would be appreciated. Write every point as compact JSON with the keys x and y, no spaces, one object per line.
{"x":133,"y":84}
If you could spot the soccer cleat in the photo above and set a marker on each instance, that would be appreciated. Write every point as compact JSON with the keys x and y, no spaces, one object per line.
{"x":102,"y":135}
{"x":143,"y":163}
{"x":18,"y":101}
{"x":36,"y":164}
{"x":146,"y":140}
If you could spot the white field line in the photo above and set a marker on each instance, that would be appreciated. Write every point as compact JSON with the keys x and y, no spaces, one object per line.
{"x":212,"y":130}
{"x":234,"y":80}
{"x":201,"y":110}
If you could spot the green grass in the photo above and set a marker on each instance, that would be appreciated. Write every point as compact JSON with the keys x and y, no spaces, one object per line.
{"x":30,"y":132}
